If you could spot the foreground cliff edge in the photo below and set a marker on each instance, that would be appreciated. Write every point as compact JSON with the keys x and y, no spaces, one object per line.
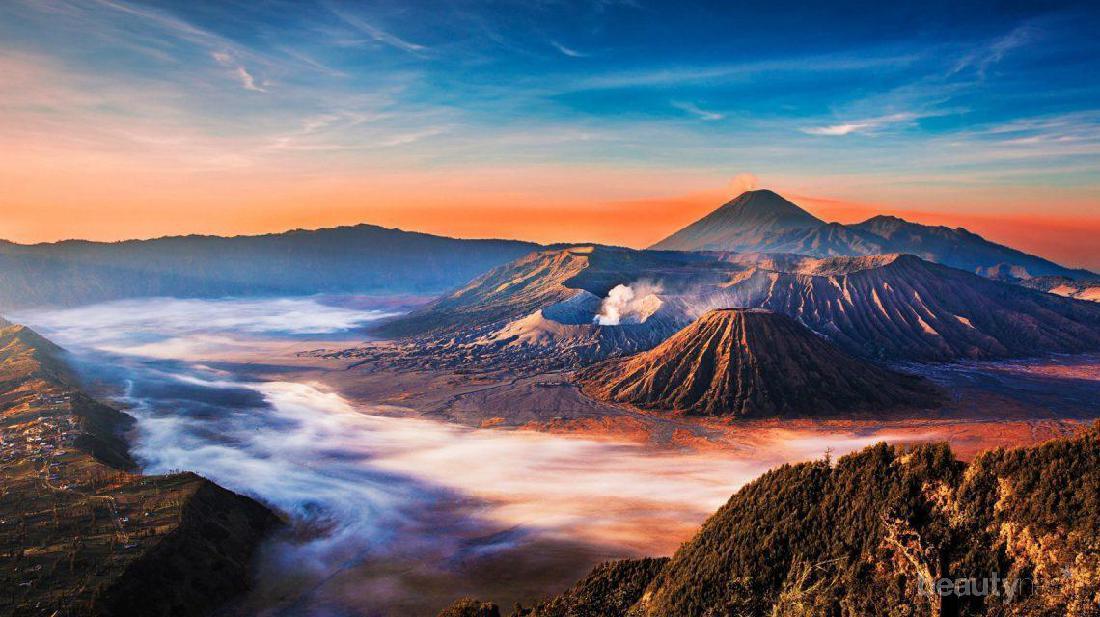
{"x":889,"y":530}
{"x":82,"y":533}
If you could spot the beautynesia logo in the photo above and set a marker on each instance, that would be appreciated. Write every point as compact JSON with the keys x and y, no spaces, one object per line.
{"x":994,"y":585}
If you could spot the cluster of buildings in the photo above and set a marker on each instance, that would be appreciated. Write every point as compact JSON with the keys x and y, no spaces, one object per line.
{"x":43,"y":438}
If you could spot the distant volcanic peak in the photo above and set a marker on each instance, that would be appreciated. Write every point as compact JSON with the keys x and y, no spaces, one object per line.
{"x":765,"y":207}
{"x":764,"y":222}
{"x":752,"y":362}
{"x":746,"y":221}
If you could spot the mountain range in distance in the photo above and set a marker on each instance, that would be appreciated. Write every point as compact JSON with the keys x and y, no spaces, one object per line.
{"x":762,"y":221}
{"x":360,"y":259}
{"x":367,"y":259}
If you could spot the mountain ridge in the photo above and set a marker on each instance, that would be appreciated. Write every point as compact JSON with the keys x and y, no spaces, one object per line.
{"x":350,"y":259}
{"x":732,"y":229}
{"x":541,"y":310}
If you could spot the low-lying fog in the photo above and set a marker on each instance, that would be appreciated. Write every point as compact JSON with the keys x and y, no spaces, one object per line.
{"x":390,"y":515}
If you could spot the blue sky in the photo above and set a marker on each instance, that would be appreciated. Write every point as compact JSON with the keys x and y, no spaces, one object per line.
{"x":988,"y":107}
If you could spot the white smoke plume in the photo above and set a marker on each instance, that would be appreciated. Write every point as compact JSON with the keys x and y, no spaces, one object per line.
{"x":631,"y":303}
{"x":741,"y":183}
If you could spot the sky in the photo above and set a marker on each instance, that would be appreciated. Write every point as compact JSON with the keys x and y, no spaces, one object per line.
{"x":548,"y":120}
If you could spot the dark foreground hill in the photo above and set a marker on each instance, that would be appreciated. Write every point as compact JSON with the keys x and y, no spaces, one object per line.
{"x":360,"y":259}
{"x":764,"y":222}
{"x":752,"y":362}
{"x":82,"y":534}
{"x":885,"y":531}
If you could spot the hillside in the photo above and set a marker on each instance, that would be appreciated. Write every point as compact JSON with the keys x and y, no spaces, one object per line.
{"x":545,"y":311}
{"x":1083,"y":289}
{"x":750,"y":221}
{"x":900,"y":307}
{"x":762,"y":221}
{"x":751,"y":362}
{"x":1014,"y":531}
{"x":540,"y":312}
{"x":360,"y":259}
{"x":566,"y":279}
{"x":82,"y":534}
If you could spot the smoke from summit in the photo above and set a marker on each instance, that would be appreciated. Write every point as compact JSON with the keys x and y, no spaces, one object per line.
{"x":742,"y":182}
{"x":631,"y":303}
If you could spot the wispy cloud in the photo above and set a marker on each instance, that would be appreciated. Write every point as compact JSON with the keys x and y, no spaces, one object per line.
{"x":178,"y":26}
{"x":375,"y":33}
{"x":866,"y":125}
{"x":992,"y":53}
{"x":402,"y":139}
{"x":679,"y":75}
{"x":568,"y":51}
{"x":702,"y":114}
{"x":248,"y":82}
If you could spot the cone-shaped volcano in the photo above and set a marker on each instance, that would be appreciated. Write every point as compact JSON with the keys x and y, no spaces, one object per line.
{"x":744,"y":223}
{"x":747,"y":362}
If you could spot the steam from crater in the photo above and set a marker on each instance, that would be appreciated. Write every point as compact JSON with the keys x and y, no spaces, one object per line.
{"x":741,"y":183}
{"x":626,"y":304}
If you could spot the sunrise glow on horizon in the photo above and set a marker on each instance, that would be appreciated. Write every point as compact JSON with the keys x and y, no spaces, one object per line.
{"x":611,"y":122}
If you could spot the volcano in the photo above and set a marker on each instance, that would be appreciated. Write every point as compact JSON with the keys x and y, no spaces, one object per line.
{"x":746,"y":223}
{"x":764,"y":222}
{"x":752,"y":362}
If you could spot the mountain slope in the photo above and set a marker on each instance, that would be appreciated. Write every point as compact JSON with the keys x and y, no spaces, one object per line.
{"x":360,"y":259}
{"x":750,"y":362}
{"x":901,"y":307}
{"x":762,"y":221}
{"x":875,"y":534}
{"x":80,"y":533}
{"x":752,"y":219}
{"x":1082,"y":289}
{"x":543,"y":311}
{"x":960,"y":248}
{"x":539,"y":312}
{"x":507,"y":292}
{"x":542,"y":279}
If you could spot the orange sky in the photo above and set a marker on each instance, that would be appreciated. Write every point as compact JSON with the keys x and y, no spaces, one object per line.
{"x":57,"y":190}
{"x":592,"y":205}
{"x":126,"y":120}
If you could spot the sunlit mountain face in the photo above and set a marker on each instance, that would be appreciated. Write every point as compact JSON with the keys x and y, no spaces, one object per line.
{"x":549,"y":309}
